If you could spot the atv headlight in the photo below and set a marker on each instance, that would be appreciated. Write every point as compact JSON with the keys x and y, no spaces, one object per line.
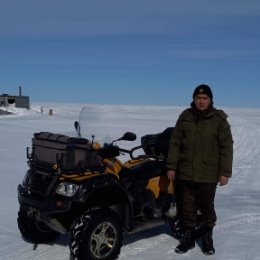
{"x":67,"y":189}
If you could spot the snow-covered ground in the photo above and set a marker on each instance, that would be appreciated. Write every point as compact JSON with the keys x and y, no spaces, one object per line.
{"x":237,"y":233}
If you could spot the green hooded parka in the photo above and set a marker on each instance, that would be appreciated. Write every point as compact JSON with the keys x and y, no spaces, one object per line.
{"x":201,"y":146}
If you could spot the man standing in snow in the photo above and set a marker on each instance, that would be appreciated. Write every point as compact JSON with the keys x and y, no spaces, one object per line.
{"x":200,"y":156}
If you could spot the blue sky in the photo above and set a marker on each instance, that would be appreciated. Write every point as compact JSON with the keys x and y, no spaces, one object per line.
{"x":131,"y":51}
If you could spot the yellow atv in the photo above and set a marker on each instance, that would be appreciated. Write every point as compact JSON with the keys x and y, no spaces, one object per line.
{"x":80,"y":187}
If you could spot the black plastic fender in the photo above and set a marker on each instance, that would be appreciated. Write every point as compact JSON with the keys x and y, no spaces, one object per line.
{"x":109,"y":193}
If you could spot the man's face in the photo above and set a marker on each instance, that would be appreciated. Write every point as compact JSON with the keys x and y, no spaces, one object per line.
{"x":202,"y":101}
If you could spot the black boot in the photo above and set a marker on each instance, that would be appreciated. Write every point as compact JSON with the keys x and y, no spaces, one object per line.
{"x":207,"y":242}
{"x":187,"y":242}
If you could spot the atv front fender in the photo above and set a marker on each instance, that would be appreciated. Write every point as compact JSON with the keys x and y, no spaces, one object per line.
{"x":113,"y":195}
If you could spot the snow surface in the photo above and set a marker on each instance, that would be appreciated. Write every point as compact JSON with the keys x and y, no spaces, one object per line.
{"x":237,"y":233}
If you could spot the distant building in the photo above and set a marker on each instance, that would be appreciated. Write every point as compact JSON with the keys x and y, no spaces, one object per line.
{"x":18,"y":101}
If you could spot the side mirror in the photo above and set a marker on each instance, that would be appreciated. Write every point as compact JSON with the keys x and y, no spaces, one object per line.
{"x":128,"y":136}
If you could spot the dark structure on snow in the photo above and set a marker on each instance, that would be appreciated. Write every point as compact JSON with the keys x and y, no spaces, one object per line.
{"x":18,"y":101}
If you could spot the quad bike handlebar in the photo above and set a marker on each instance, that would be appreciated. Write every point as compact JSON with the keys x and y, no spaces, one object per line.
{"x":111,"y":150}
{"x":114,"y":151}
{"x":140,"y":156}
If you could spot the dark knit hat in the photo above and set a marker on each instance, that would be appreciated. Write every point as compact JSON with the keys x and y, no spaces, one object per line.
{"x":203,"y":89}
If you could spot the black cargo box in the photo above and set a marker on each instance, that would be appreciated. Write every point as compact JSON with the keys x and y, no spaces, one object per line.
{"x":71,"y":153}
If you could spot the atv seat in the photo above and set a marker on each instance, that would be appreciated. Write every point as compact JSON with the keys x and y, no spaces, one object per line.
{"x":143,"y":171}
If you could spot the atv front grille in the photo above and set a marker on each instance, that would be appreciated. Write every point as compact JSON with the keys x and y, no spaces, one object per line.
{"x":41,"y":183}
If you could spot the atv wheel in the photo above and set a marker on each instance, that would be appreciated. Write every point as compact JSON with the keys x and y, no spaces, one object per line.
{"x":97,"y":236}
{"x":34,"y":231}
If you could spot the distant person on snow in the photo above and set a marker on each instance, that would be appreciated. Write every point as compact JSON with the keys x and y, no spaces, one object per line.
{"x":200,"y":156}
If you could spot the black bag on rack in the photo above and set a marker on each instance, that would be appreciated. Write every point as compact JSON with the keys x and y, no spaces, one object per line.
{"x":72,"y":153}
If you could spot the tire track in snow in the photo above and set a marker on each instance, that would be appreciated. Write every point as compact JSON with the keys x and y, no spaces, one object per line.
{"x":145,"y":243}
{"x":25,"y":252}
{"x":141,"y":246}
{"x":14,"y":247}
{"x":242,"y":219}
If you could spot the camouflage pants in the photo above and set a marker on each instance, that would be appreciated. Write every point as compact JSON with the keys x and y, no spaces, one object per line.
{"x":194,"y":197}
